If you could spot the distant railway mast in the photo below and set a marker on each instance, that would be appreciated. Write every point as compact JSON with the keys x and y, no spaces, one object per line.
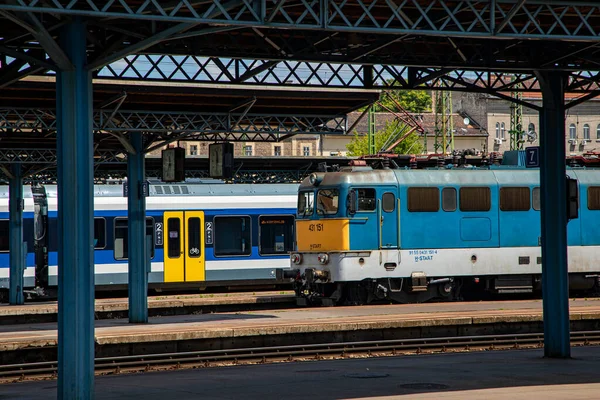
{"x":516,"y":120}
{"x":444,"y":124}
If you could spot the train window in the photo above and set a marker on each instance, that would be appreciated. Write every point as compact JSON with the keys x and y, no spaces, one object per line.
{"x":514,"y":199}
{"x":4,"y":235}
{"x":535,"y":199}
{"x":388,"y":202}
{"x":327,"y":201}
{"x":232,"y":236}
{"x":475,"y":199}
{"x":423,"y":199}
{"x":121,"y":248}
{"x":306,"y":201}
{"x":193,"y":232}
{"x":594,"y":198}
{"x":174,"y":237}
{"x":367,"y":201}
{"x":99,"y":233}
{"x":449,"y":199}
{"x":276,"y":234}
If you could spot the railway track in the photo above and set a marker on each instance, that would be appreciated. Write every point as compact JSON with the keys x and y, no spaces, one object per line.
{"x":311,"y":352}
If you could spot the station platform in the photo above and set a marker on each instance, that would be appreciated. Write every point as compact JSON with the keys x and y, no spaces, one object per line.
{"x":514,"y":375}
{"x":37,"y":342}
{"x":157,"y":306}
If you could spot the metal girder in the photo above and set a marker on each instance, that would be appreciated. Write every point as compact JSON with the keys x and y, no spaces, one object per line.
{"x":14,"y":120}
{"x":33,"y":156}
{"x":330,"y":75}
{"x":532,"y":19}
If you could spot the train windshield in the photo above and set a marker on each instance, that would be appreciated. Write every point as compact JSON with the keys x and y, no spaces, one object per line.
{"x":306,"y":201}
{"x":327,"y":201}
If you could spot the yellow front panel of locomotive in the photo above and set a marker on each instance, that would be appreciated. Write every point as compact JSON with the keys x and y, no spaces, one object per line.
{"x":323,"y":235}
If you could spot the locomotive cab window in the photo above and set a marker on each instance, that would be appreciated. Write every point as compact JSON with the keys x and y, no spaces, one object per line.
{"x":514,"y":199}
{"x":121,"y":244}
{"x":232,"y":236}
{"x":327,"y":201}
{"x":276,"y":234}
{"x":594,"y":198}
{"x":475,"y":199}
{"x":4,"y":235}
{"x":306,"y":201}
{"x":449,"y":199}
{"x":423,"y":199}
{"x":388,"y":202}
{"x":99,"y":233}
{"x":367,"y":201}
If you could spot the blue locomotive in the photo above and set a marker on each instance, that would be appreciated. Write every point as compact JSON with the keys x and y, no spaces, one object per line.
{"x":201,"y":235}
{"x":410,"y":235}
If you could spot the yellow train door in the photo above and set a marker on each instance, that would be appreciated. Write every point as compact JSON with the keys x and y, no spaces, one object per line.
{"x":194,"y":246}
{"x":184,"y":246}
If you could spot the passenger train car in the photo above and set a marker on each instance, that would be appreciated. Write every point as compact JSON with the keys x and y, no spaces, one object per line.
{"x":414,"y":235}
{"x":201,"y":235}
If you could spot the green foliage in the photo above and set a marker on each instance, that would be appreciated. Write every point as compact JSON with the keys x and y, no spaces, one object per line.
{"x":415,"y":101}
{"x":359,"y":146}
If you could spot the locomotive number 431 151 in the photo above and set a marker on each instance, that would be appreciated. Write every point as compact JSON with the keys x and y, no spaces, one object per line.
{"x":316,"y":227}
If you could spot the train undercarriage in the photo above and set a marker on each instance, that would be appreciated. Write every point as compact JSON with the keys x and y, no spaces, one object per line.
{"x":312,"y":288}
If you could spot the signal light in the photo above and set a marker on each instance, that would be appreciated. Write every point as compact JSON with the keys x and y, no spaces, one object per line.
{"x":323,"y":258}
{"x":296,"y":258}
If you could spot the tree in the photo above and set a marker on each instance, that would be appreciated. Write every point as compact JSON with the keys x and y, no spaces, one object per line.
{"x":359,"y":146}
{"x":415,"y":101}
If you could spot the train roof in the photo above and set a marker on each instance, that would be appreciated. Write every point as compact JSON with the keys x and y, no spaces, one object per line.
{"x":182,"y":189}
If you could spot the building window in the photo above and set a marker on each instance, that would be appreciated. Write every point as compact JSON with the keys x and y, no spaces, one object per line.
{"x":475,"y":199}
{"x":306,"y":151}
{"x":531,"y":128}
{"x":586,"y":132}
{"x":193,"y":150}
{"x":502,"y":129}
{"x":572,"y":131}
{"x":497,"y":130}
{"x":276,"y":150}
{"x":423,"y":199}
{"x":247,"y":150}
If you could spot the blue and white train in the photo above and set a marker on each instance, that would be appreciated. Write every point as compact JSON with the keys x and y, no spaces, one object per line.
{"x":201,"y":234}
{"x":414,"y":235}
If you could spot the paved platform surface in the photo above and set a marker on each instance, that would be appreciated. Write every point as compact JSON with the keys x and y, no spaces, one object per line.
{"x":115,"y":305}
{"x":487,"y":375}
{"x":302,"y":320}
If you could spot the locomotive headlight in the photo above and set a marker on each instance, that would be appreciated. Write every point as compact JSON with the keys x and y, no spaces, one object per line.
{"x":323,"y":258}
{"x":315,"y":178}
{"x":296,"y":258}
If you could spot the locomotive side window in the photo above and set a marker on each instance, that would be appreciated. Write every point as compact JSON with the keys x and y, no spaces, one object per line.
{"x":475,"y":199}
{"x":121,"y":244}
{"x":99,"y":233}
{"x":535,"y":199}
{"x":174,"y":242}
{"x":514,"y":199}
{"x":449,"y":199}
{"x":388,"y":202}
{"x":423,"y":199}
{"x":276,"y":234}
{"x":306,"y":201}
{"x":4,"y":235}
{"x":232,"y":236}
{"x":367,"y":201}
{"x":594,"y":198}
{"x":327,"y":201}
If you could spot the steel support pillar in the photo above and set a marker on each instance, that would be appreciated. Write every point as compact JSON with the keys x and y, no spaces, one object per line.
{"x":555,"y":277}
{"x":136,"y":208}
{"x":75,"y":219}
{"x":17,"y":257}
